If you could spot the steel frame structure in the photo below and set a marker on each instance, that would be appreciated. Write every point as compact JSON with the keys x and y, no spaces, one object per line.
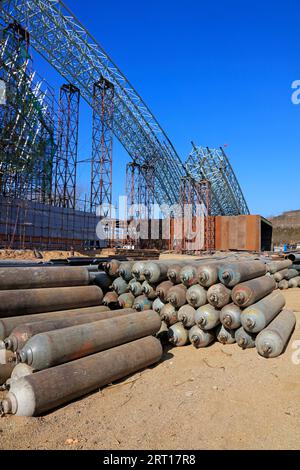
{"x":139,"y":192}
{"x":66,"y":159}
{"x":213,"y":165}
{"x":204,"y":191}
{"x":195,"y":202}
{"x":102,"y":147}
{"x":27,"y":121}
{"x":139,"y":188}
{"x":62,"y":40}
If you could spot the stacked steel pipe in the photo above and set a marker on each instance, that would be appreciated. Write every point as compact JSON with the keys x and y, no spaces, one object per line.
{"x":57,"y":342}
{"x":231,"y":300}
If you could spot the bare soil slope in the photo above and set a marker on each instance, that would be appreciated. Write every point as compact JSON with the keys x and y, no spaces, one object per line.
{"x":286,"y":227}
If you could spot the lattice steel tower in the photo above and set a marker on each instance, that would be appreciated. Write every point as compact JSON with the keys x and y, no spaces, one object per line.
{"x":102,"y":144}
{"x":64,"y":42}
{"x":66,"y":162}
{"x":213,"y":165}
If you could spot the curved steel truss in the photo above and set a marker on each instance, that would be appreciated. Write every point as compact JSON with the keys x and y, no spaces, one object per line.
{"x":62,"y":40}
{"x":213,"y":165}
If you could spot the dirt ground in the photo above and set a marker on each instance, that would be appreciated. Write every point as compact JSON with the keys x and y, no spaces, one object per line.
{"x":30,"y":255}
{"x":215,"y":398}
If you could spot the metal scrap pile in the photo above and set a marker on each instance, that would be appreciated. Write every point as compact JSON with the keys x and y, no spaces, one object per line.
{"x":57,"y":343}
{"x":229,"y":300}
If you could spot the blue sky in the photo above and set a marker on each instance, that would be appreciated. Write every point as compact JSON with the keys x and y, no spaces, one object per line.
{"x":212,"y":72}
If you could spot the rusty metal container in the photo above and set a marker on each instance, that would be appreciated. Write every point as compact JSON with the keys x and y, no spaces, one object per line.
{"x":207,"y":317}
{"x":218,"y":295}
{"x":244,"y":339}
{"x":188,"y":275}
{"x":295,"y":266}
{"x":200,"y":338}
{"x":8,"y":324}
{"x":230,"y":316}
{"x":126,"y":300}
{"x":196,"y":296}
{"x":186,"y":315}
{"x":124,"y":270}
{"x":155,"y":272}
{"x":39,"y":277}
{"x":271,"y":341}
{"x":135,"y":287}
{"x":162,"y":334}
{"x":19,"y":371}
{"x":280,"y":275}
{"x":42,"y":391}
{"x":142,"y":303}
{"x":256,"y":317}
{"x":56,"y":347}
{"x":112,"y":267}
{"x":100,"y":279}
{"x":178,"y":335}
{"x":294,"y":257}
{"x":173,"y":273}
{"x":27,"y":301}
{"x":291,"y":273}
{"x":234,"y":273}
{"x":169,"y":314}
{"x":249,"y":292}
{"x":120,"y":286}
{"x":149,"y":290}
{"x":208,"y":273}
{"x":275,"y":266}
{"x":177,"y":295}
{"x":294,"y":282}
{"x":163,"y":290}
{"x":243,"y":233}
{"x":157,"y":305}
{"x":22,"y":333}
{"x":111,"y":299}
{"x":284,"y":284}
{"x":138,"y":270}
{"x":224,"y":335}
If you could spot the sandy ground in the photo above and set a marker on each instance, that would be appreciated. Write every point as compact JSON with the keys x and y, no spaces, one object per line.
{"x":215,"y":398}
{"x":30,"y":255}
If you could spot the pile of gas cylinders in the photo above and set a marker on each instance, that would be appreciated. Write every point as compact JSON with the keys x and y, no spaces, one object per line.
{"x":66,"y":331}
{"x":58,"y":342}
{"x":231,"y":300}
{"x":289,"y":278}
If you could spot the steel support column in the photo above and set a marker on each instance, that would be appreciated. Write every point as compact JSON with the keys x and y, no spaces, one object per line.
{"x":102,"y":146}
{"x":140,"y":193}
{"x":66,"y":162}
{"x":195,"y":195}
{"x":203,"y":189}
